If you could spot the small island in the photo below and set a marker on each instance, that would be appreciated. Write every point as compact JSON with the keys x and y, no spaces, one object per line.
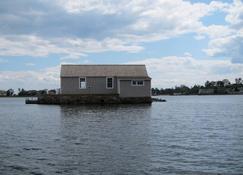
{"x":95,"y":84}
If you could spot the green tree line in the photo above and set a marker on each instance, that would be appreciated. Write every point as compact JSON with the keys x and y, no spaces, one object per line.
{"x":219,"y":87}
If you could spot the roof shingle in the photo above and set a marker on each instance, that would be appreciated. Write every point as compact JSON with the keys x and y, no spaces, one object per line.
{"x":125,"y":70}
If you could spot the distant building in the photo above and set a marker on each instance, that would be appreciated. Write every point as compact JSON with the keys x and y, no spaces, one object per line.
{"x":3,"y":93}
{"x":178,"y":93}
{"x":122,"y":80}
{"x":206,"y":91}
{"x":241,"y":90}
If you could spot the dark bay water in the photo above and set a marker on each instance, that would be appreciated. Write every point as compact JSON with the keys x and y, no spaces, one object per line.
{"x":185,"y":135}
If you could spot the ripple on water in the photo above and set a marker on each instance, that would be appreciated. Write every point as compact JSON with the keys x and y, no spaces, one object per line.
{"x":31,"y":149}
{"x":186,"y":135}
{"x":36,"y":173}
{"x":17,"y":167}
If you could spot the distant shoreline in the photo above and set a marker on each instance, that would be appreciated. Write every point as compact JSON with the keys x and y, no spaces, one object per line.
{"x":196,"y":94}
{"x":16,"y":96}
{"x":152,"y":95}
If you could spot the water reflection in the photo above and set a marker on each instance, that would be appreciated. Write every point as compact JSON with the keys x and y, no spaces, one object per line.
{"x":106,"y":139}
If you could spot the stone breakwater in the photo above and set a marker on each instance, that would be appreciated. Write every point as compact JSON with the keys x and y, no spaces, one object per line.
{"x":86,"y":99}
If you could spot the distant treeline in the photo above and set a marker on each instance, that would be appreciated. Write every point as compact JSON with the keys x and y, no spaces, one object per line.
{"x":26,"y":93}
{"x":210,"y":87}
{"x":178,"y":90}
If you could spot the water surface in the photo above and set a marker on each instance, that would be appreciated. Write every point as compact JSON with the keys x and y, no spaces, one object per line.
{"x":185,"y":135}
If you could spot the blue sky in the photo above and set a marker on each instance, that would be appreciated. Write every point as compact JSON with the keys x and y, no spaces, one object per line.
{"x":180,"y":41}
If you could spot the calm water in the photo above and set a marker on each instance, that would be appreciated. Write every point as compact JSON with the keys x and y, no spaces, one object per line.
{"x":185,"y":135}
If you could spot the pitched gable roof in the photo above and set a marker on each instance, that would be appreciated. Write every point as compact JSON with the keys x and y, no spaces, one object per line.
{"x":104,"y":70}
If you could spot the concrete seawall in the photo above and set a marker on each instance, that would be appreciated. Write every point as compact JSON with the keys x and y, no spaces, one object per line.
{"x":87,"y":99}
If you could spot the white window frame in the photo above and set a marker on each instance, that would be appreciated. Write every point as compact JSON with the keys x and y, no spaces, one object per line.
{"x":112,"y":83}
{"x":80,"y":83}
{"x":136,"y":84}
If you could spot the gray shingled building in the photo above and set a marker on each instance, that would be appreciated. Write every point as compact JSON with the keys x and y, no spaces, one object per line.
{"x":122,"y":80}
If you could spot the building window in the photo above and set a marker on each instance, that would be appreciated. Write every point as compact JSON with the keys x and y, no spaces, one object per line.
{"x":109,"y":83}
{"x":82,"y":83}
{"x":137,"y":82}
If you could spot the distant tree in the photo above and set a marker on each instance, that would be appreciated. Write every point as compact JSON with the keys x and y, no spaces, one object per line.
{"x":195,"y":89}
{"x":10,"y":92}
{"x":238,"y":81}
{"x":155,"y":91}
{"x":219,"y":87}
{"x":167,"y":91}
{"x":219,"y":83}
{"x":182,"y":89}
{"x":210,"y":84}
{"x":226,"y":82}
{"x":42,"y":92}
{"x":32,"y":93}
{"x":22,"y":92}
{"x":207,"y":84}
{"x":52,"y":92}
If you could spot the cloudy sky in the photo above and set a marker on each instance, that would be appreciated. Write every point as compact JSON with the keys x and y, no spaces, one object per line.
{"x":180,"y":41}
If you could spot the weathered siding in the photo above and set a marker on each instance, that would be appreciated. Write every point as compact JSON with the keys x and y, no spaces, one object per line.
{"x":127,"y":90}
{"x":94,"y":85}
{"x":97,"y":85}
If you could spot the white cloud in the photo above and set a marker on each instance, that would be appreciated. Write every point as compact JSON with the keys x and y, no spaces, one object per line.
{"x":30,"y":45}
{"x":40,"y":79}
{"x":30,"y":64}
{"x":76,"y":27}
{"x":229,"y":46}
{"x":235,"y":14}
{"x":80,"y":6}
{"x":216,"y":31}
{"x":187,"y":54}
{"x":26,"y":45}
{"x":171,"y":71}
{"x":227,"y":40}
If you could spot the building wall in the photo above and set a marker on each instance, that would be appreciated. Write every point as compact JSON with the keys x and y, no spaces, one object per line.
{"x":205,"y":91}
{"x":127,"y":90}
{"x":97,"y":85}
{"x":3,"y":93}
{"x":94,"y":85}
